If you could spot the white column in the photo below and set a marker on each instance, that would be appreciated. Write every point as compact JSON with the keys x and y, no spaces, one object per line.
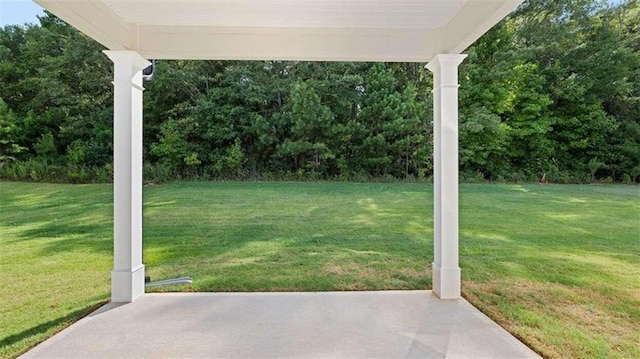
{"x":127,"y":277}
{"x":446,"y":271}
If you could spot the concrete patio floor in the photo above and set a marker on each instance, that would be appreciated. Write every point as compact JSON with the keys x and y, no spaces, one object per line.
{"x":386,"y":324}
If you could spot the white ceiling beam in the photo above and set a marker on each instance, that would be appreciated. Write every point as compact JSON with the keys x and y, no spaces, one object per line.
{"x":299,"y":44}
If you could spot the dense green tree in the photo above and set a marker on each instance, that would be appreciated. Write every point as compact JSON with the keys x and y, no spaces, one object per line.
{"x":8,"y":134}
{"x":58,"y":81}
{"x":380,"y":115}
{"x":487,"y":97}
{"x":586,"y":68}
{"x":311,"y":129}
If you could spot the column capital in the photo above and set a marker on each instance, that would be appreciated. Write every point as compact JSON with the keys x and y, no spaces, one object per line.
{"x":445,"y":60}
{"x":127,"y":58}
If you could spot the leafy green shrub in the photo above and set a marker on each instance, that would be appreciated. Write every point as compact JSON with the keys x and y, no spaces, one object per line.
{"x":518,"y":177}
{"x":104,"y":174}
{"x":159,"y":172}
{"x":553,"y":174}
{"x":472,"y":177}
{"x":594,"y":165}
{"x":45,"y":146}
{"x":76,"y":152}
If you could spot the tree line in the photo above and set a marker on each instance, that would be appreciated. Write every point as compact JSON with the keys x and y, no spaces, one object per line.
{"x":549,"y":94}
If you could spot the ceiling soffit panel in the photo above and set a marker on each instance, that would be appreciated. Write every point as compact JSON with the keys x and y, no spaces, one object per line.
{"x":290,"y":13}
{"x":332,"y":30}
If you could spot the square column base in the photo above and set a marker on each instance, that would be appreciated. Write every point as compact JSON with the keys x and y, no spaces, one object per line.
{"x":127,"y":286}
{"x":446,"y":282}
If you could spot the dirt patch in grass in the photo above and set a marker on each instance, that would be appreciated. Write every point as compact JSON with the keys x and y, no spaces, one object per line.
{"x":333,"y":269}
{"x":356,"y":276}
{"x":414,"y":273}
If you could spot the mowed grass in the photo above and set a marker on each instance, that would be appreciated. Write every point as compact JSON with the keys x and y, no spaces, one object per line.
{"x":289,"y":236}
{"x":558,"y":266}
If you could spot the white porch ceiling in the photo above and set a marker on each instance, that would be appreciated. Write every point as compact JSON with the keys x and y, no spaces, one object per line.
{"x":334,"y":30}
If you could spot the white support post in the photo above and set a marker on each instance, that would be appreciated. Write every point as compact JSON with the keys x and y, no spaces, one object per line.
{"x":446,"y":271}
{"x":127,"y":277}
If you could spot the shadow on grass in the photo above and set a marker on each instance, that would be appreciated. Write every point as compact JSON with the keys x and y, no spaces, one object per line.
{"x":77,"y":218}
{"x":63,"y":236}
{"x":61,"y":323}
{"x":255,"y":258}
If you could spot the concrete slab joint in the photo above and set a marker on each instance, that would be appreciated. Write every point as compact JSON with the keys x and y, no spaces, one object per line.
{"x":127,"y":277}
{"x":446,"y":271}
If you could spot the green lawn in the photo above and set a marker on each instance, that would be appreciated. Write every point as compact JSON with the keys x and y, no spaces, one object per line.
{"x":558,"y":266}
